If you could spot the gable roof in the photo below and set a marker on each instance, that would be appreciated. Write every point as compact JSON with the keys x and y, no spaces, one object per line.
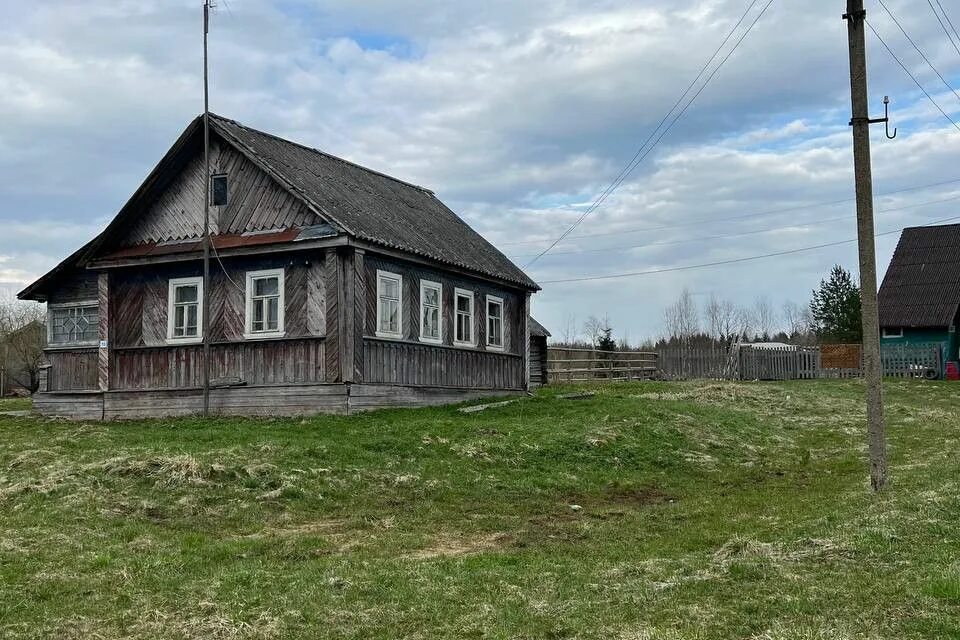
{"x":537,"y":329}
{"x":359,"y":202}
{"x":922,"y":285}
{"x":373,"y":206}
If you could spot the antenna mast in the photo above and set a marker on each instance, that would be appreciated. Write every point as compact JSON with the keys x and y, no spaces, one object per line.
{"x":205,"y":319}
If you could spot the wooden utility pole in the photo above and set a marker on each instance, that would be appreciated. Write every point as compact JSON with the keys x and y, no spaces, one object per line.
{"x":876,"y":436}
{"x":205,"y":320}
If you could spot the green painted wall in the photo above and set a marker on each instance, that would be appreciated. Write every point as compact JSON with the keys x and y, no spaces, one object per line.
{"x":929,"y":336}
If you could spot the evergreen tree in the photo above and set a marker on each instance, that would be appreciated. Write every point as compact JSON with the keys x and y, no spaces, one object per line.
{"x":835,"y":308}
{"x":605,"y":342}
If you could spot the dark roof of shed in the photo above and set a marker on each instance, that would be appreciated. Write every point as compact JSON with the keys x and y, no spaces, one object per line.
{"x":361,"y":202}
{"x":537,"y":329}
{"x":373,"y":206}
{"x":922,"y":285}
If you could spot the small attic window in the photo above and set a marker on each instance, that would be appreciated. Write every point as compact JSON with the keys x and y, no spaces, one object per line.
{"x":218,"y":190}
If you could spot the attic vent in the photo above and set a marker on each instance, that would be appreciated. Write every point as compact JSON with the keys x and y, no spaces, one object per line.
{"x":218,"y":190}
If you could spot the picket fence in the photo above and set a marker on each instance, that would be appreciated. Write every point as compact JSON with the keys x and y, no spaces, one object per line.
{"x":735,"y":363}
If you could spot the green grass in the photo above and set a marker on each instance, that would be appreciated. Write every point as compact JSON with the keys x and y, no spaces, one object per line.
{"x":15,"y":404}
{"x":693,"y":510}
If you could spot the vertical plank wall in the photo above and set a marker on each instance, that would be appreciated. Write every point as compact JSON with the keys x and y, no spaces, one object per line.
{"x":411,"y":362}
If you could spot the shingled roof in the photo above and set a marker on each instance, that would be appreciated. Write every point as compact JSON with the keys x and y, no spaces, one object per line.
{"x":922,"y":285}
{"x":359,"y":202}
{"x":373,"y":206}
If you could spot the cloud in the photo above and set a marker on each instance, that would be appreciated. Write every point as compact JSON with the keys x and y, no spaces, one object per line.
{"x":517,"y":114}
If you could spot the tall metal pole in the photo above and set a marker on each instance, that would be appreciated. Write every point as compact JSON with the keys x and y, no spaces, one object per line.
{"x":205,"y":320}
{"x":876,"y":436}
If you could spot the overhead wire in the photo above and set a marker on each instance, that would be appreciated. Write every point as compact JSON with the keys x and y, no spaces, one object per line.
{"x":943,"y":26}
{"x":640,"y":155}
{"x":920,"y":51}
{"x":745,"y":233}
{"x":732,"y":260}
{"x":949,"y":21}
{"x":759,"y":214}
{"x":912,"y":77}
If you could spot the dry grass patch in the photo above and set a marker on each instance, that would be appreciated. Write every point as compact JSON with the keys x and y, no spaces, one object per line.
{"x":454,"y":546}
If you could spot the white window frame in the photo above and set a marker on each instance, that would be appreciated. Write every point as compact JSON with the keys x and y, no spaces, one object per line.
{"x":248,"y":331}
{"x":893,"y":333}
{"x":464,"y":293}
{"x":498,"y":300}
{"x":70,"y":305}
{"x":424,"y":285}
{"x":172,"y":285}
{"x":398,"y":334}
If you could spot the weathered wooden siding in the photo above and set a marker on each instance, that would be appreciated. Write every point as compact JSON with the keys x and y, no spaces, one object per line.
{"x":256,"y":202}
{"x":72,"y":370}
{"x":72,"y":405}
{"x":280,"y":400}
{"x":271,"y":362}
{"x":79,"y":285}
{"x":394,"y":362}
{"x":538,"y":360}
{"x":138,"y":298}
{"x":412,"y":275}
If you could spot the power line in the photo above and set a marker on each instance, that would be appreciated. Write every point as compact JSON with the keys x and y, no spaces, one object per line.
{"x":640,"y":155}
{"x":949,"y":21}
{"x":912,"y":77}
{"x":922,"y":54}
{"x":772,"y":212}
{"x":734,"y":260}
{"x":943,"y":26}
{"x":744,"y":233}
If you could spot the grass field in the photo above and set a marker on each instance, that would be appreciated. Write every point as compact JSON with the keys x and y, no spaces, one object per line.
{"x":683,"y":510}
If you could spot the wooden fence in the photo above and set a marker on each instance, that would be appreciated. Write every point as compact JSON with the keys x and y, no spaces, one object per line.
{"x":587,"y":365}
{"x":736,"y":363}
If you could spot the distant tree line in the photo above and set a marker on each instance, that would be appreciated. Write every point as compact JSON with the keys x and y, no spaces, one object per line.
{"x":831,"y":316}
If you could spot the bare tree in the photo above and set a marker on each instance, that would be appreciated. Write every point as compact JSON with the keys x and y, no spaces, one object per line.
{"x":764,"y":317}
{"x":595,"y":328}
{"x":721,"y":317}
{"x":681,"y":318}
{"x":569,"y":328}
{"x":797,"y":319}
{"x":21,"y":342}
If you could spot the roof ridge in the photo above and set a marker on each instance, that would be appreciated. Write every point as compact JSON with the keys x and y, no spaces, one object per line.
{"x":932,"y":226}
{"x":323,"y":153}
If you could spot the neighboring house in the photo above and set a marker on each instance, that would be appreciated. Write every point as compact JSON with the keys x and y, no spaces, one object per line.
{"x":920,"y":294}
{"x":538,"y":353}
{"x":333,"y":288}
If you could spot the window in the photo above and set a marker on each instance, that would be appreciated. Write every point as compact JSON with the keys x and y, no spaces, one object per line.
{"x":264,"y":314}
{"x":218,"y":190}
{"x":893,"y":333}
{"x":463,"y":304}
{"x":495,"y":323}
{"x":431,"y":318}
{"x":73,"y":323}
{"x":389,"y":305}
{"x":184,"y":310}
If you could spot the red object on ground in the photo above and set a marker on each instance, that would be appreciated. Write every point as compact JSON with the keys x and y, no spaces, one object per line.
{"x":953,"y":371}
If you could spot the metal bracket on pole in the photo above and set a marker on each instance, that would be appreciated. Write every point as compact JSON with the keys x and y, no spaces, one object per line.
{"x":885,"y":119}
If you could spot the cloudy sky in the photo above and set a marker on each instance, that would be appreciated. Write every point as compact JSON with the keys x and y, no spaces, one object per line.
{"x":518,"y":115}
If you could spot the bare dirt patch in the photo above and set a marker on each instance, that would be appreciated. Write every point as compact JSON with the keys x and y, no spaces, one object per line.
{"x":450,"y":546}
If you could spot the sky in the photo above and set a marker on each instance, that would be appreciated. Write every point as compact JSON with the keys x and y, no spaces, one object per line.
{"x":518,"y":115}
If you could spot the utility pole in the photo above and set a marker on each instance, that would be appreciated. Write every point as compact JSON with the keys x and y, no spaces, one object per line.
{"x":205,"y":320}
{"x":876,"y":436}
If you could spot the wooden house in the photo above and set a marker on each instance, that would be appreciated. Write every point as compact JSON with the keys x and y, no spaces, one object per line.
{"x":333,"y":288}
{"x":920,"y":294}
